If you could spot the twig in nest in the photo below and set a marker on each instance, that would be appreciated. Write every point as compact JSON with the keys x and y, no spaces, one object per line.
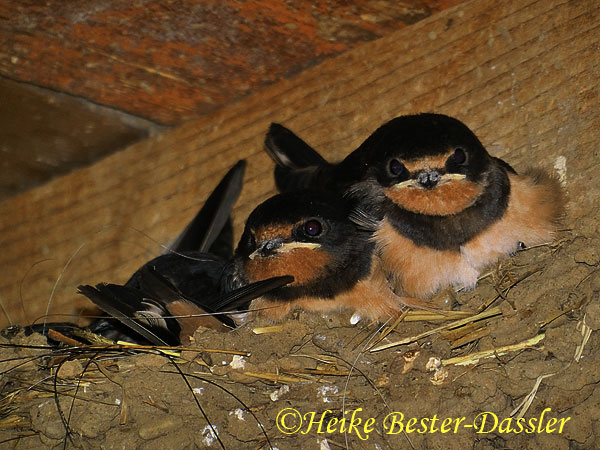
{"x":189,"y":386}
{"x":335,"y":373}
{"x":473,"y":358}
{"x":59,"y":337}
{"x":124,"y":403}
{"x":504,"y":292}
{"x":392,"y":327}
{"x":471,"y":337}
{"x":526,"y":403}
{"x":267,"y":330}
{"x":457,"y":323}
{"x":586,"y":332}
{"x":152,"y":403}
{"x":427,"y":316}
{"x":275,"y":377}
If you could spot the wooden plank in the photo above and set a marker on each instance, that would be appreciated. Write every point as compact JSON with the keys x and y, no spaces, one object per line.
{"x":45,"y":134}
{"x":522,"y":74}
{"x":173,"y":61}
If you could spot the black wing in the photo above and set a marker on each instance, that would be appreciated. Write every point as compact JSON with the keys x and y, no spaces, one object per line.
{"x":242,"y":296}
{"x":212,"y":224}
{"x":160,"y":314}
{"x":298,"y":165}
{"x":134,"y":310}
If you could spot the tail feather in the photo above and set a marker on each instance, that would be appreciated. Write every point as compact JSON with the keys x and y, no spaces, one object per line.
{"x":123,"y":303}
{"x":298,"y":165}
{"x":288,"y":150}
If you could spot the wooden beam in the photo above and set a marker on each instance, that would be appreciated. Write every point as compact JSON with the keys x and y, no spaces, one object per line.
{"x":522,"y":74}
{"x":174,"y":61}
{"x":45,"y":134}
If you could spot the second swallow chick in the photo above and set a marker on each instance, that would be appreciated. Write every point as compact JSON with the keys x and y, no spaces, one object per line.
{"x":308,"y":235}
{"x":445,"y":209}
{"x":440,"y":206}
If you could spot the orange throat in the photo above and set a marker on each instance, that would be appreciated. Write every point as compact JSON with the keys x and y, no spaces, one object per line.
{"x":304,"y":264}
{"x":450,"y":198}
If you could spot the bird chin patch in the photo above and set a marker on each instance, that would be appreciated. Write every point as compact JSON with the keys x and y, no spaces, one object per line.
{"x":451,"y":196}
{"x":305,"y":263}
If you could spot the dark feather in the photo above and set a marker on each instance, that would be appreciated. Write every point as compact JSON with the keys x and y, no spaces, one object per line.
{"x":298,"y":165}
{"x":149,"y":315}
{"x":153,"y":281}
{"x":211,"y":220}
{"x":242,"y":297}
{"x":288,"y":150}
{"x":364,"y":220}
{"x":123,"y":303}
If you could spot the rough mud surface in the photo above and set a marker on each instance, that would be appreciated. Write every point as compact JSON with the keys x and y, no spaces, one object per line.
{"x":141,"y":401}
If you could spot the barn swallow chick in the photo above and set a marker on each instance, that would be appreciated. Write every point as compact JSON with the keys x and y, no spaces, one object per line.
{"x":442,"y":209}
{"x":308,"y":235}
{"x":169,"y":297}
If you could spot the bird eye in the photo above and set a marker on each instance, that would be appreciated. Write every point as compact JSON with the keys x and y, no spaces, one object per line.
{"x":396,"y":167}
{"x":313,"y":228}
{"x":459,"y":156}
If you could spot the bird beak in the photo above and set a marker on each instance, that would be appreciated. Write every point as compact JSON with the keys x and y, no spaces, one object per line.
{"x":268,"y":248}
{"x":452,"y":176}
{"x":415,"y":183}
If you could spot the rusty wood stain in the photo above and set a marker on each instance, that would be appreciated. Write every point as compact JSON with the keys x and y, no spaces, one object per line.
{"x":172,"y":61}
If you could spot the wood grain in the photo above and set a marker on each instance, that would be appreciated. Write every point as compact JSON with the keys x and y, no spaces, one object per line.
{"x":522,"y":74}
{"x":173,"y":61}
{"x":45,"y":134}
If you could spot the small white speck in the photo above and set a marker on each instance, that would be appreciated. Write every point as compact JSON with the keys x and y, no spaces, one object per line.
{"x":500,"y":102}
{"x":439,"y":376}
{"x":117,"y":401}
{"x":238,"y":362}
{"x":434,"y":363}
{"x":326,"y":390}
{"x":560,"y":165}
{"x":354,"y":319}
{"x":239,"y":413}
{"x":198,"y":390}
{"x":209,"y":434}
{"x":14,"y":59}
{"x":320,"y":337}
{"x":223,"y":363}
{"x":279,"y":392}
{"x":324,"y":445}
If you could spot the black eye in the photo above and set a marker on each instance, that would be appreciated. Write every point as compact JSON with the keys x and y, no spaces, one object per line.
{"x":459,"y":156}
{"x":313,"y":228}
{"x":396,"y":167}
